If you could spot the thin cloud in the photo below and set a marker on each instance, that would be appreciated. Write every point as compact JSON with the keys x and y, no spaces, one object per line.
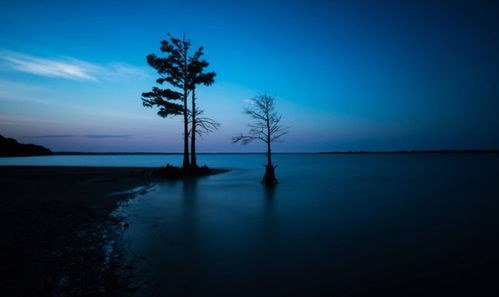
{"x":74,"y":135}
{"x":63,"y":68}
{"x":118,"y":71}
{"x":108,"y":135}
{"x":50,"y":136}
{"x":69,"y":68}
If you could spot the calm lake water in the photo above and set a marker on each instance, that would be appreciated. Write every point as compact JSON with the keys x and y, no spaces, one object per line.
{"x":336,"y":225}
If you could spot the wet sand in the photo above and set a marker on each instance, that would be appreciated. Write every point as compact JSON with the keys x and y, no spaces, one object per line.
{"x":55,"y":229}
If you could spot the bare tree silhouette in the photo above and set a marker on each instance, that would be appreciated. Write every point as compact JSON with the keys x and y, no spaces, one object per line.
{"x":203,"y":125}
{"x":266,"y":127}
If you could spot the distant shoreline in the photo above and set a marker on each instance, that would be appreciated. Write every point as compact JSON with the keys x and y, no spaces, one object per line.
{"x":494,"y":151}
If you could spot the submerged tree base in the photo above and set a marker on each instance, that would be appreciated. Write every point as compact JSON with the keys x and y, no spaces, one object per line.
{"x":269,"y":178}
{"x":172,"y":172}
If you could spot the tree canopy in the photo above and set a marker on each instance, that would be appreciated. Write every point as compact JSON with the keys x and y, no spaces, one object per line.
{"x":173,"y":70}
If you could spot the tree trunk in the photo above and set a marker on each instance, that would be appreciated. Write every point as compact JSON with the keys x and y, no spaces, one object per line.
{"x":185,"y":164}
{"x":269,"y":155}
{"x":194,"y":164}
{"x":269,"y":178}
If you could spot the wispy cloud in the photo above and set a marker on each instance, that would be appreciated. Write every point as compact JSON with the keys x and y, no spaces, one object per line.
{"x":51,"y":136}
{"x":74,"y":135}
{"x":108,"y":135}
{"x":65,"y":68}
{"x":21,"y":92}
{"x":43,"y":96}
{"x":68,"y":67}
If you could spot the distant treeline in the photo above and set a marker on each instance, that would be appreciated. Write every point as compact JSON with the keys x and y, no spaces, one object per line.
{"x":10,"y":147}
{"x":417,"y":152}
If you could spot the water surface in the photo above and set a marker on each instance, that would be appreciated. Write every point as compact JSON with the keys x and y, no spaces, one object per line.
{"x":336,"y":225}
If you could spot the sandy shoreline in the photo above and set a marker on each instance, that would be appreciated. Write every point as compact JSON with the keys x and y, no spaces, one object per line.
{"x":52,"y":223}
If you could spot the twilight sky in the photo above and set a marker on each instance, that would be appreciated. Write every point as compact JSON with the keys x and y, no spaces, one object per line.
{"x":348,"y":75}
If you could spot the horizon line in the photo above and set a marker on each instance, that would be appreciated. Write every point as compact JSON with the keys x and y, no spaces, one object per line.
{"x":305,"y":152}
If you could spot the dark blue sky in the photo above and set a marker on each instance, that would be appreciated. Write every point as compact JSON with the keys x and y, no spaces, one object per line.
{"x":348,"y":75}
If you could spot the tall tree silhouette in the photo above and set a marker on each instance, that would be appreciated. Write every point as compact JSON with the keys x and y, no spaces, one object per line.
{"x":173,"y":70}
{"x":197,"y":76}
{"x":266,"y":127}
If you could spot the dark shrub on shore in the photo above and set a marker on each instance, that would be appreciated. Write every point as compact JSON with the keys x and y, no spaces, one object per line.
{"x":170,"y":171}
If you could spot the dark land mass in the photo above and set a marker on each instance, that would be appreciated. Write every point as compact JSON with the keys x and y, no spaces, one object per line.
{"x":58,"y":236}
{"x":9,"y":147}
